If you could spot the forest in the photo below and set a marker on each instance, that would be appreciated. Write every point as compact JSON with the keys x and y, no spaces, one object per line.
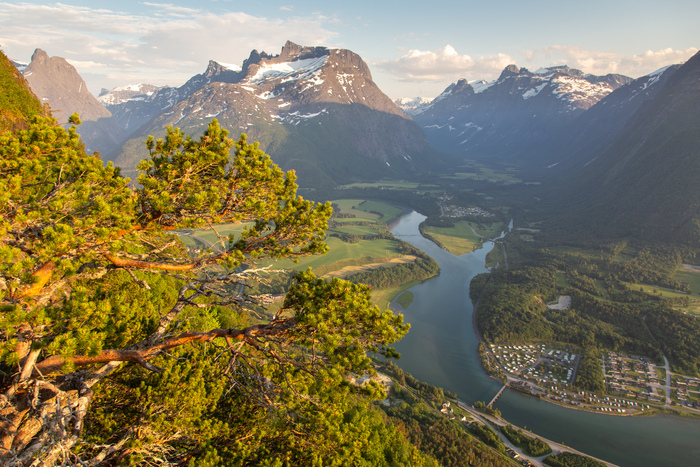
{"x":606,"y":311}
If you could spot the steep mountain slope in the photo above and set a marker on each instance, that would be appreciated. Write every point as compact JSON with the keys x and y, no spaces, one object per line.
{"x":57,"y":82}
{"x":595,"y":129}
{"x":645,"y":182}
{"x":513,"y":116}
{"x":17,"y":101}
{"x":313,"y":109}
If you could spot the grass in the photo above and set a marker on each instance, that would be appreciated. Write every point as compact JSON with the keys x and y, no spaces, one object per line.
{"x":405,"y":299}
{"x":391,"y":185}
{"x":458,"y":240}
{"x":492,"y":231}
{"x":388,"y":211}
{"x":661,"y":373}
{"x":561,"y":280}
{"x":343,"y":258}
{"x":383,"y":297}
{"x":476,"y":171}
{"x":692,"y":278}
{"x":361,"y":230}
{"x":656,"y":291}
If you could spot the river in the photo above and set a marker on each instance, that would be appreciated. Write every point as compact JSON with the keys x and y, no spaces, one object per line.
{"x":441,"y":349}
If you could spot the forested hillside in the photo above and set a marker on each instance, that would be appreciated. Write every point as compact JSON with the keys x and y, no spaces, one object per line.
{"x":17,"y":102}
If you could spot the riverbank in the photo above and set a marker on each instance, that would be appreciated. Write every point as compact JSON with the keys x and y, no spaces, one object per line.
{"x":441,"y":349}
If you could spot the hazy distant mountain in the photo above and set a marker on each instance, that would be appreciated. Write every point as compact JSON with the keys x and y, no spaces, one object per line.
{"x":313,"y":109}
{"x":412,"y":105}
{"x":592,"y":131}
{"x":57,"y":82}
{"x":513,"y":116}
{"x":645,"y":182}
{"x":132,"y":92}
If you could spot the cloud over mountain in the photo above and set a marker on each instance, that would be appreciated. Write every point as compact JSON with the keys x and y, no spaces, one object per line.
{"x":443,"y":64}
{"x":603,"y":62}
{"x":163,"y":43}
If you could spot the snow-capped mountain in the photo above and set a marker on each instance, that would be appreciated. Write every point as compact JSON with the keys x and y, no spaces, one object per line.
{"x":313,"y":109}
{"x":514,"y":114}
{"x":412,"y":105}
{"x":131,"y":92}
{"x":589,"y":133}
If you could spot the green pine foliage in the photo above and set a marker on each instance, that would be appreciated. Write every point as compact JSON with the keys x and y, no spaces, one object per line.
{"x":17,"y":102}
{"x":534,"y":447}
{"x":569,"y":459}
{"x":119,"y":346}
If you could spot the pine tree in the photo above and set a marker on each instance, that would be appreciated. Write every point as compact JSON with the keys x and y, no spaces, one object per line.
{"x":118,"y":345}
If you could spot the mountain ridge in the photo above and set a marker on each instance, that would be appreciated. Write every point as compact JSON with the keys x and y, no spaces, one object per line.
{"x":314,"y":109}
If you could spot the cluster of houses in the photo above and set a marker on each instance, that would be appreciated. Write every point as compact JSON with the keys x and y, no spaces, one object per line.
{"x":686,"y":390}
{"x":537,"y":363}
{"x":451,"y":210}
{"x":632,"y":377}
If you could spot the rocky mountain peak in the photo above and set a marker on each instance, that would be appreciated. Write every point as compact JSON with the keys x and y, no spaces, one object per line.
{"x":214,"y":68}
{"x":510,"y":70}
{"x":57,"y":82}
{"x":290,"y":50}
{"x":40,"y":56}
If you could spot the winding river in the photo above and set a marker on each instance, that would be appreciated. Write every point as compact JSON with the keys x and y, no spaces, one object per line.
{"x":441,"y":349}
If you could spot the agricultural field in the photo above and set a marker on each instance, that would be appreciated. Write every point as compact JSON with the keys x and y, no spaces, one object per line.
{"x":691,"y":277}
{"x":391,"y":185}
{"x":476,"y":171}
{"x":458,"y":240}
{"x":692,"y":299}
{"x":357,"y":238}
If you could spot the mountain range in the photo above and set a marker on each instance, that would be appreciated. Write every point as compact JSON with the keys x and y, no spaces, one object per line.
{"x":313,"y":109}
{"x":318,"y":111}
{"x":514,"y":116}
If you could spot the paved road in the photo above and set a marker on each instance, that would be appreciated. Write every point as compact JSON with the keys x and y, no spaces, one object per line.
{"x":668,"y":381}
{"x":556,"y":447}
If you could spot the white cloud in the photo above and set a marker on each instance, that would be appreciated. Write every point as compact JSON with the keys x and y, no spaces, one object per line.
{"x":444,"y":64}
{"x":604,"y":62}
{"x":167,"y":45}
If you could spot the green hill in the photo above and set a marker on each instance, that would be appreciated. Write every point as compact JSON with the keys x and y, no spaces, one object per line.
{"x":17,"y":101}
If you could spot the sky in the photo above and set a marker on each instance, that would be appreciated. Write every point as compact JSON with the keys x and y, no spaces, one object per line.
{"x":412,"y":48}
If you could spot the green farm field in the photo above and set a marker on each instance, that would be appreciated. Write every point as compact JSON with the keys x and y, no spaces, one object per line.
{"x":458,"y":240}
{"x":343,"y":258}
{"x":694,"y":300}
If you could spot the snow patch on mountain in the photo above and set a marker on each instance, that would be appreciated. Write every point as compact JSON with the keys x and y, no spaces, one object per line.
{"x":481,"y":85}
{"x":130,"y":92}
{"x":288,"y":71}
{"x":575,"y":90}
{"x":19,"y":65}
{"x":297,"y":117}
{"x":230,"y":66}
{"x":413,"y":105}
{"x":534,"y":91}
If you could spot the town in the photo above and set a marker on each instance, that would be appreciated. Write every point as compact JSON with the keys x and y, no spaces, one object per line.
{"x":547,"y":371}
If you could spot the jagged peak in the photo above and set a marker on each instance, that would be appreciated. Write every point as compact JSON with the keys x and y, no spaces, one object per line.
{"x":510,"y":70}
{"x":39,"y":55}
{"x":290,"y":50}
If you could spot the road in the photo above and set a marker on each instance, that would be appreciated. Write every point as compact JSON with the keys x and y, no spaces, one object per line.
{"x":556,"y":447}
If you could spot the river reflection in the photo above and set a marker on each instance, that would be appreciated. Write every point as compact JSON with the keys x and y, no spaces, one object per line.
{"x":441,"y":349}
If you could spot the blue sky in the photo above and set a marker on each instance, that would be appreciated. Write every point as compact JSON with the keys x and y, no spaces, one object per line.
{"x":413,"y":48}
